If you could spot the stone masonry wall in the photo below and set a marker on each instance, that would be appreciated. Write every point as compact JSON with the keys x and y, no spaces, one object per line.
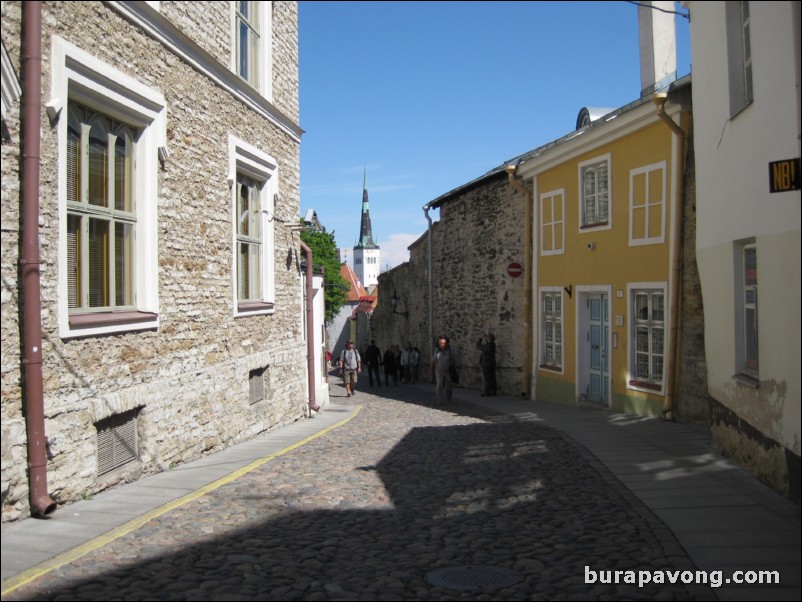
{"x":189,"y":378}
{"x":693,"y":401}
{"x":480,"y":232}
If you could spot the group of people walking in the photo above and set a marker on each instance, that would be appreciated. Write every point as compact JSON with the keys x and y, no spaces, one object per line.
{"x":402,"y":366}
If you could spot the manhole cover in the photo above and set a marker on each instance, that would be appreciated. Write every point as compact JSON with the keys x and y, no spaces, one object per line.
{"x":472,"y":578}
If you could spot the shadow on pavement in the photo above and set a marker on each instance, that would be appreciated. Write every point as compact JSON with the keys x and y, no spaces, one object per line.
{"x":342,"y":518}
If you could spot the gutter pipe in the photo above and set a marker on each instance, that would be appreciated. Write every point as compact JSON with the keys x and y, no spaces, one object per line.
{"x":41,"y":503}
{"x":659,"y":101}
{"x":310,"y":333}
{"x":528,"y":276}
{"x":426,"y":208}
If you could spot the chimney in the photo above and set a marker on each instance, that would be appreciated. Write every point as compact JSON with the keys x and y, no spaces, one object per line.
{"x":658,"y":46}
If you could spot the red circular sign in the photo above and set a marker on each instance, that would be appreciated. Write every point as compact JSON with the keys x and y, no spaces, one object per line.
{"x":515,"y":270}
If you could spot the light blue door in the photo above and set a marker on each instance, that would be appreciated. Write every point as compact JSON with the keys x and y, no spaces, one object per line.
{"x":599,"y":329}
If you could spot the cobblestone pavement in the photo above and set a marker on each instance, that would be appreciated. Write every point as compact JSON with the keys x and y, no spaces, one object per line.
{"x":406,"y":501}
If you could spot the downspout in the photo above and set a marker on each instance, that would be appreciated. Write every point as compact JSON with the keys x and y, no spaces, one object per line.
{"x":528,"y":275}
{"x":426,"y":208}
{"x":310,"y":329}
{"x":675,"y":282}
{"x":41,"y":503}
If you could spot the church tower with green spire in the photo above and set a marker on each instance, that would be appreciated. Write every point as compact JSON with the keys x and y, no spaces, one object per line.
{"x":367,"y":255}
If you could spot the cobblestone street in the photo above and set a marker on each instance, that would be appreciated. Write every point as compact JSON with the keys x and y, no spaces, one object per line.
{"x":504,"y":509}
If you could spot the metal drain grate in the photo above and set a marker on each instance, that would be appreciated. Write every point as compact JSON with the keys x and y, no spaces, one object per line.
{"x":472,"y":578}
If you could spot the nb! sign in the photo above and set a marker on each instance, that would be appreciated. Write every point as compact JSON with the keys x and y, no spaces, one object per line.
{"x":784,"y":175}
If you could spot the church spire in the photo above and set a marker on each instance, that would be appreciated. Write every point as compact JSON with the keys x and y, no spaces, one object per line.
{"x":365,"y":229}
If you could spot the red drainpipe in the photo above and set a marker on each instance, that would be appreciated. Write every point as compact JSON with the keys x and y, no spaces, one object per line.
{"x":41,"y":503}
{"x":310,"y":328}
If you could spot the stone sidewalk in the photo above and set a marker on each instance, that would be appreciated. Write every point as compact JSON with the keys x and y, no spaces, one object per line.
{"x":396,"y":498}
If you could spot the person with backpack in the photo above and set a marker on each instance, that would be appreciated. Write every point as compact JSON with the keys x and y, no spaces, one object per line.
{"x":350,"y":367}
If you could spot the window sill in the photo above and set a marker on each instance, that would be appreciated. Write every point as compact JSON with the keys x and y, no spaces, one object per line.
{"x":254,"y":307}
{"x":644,"y":385}
{"x":111,"y":318}
{"x":746,"y":380}
{"x":550,"y":368}
{"x":594,"y":225}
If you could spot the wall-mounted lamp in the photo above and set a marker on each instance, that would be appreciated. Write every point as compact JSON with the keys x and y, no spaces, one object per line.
{"x":394,"y":300}
{"x":568,"y":290}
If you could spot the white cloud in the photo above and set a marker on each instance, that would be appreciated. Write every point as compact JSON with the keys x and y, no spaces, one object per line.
{"x":394,"y":250}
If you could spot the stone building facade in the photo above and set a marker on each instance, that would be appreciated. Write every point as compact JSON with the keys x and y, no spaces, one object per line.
{"x":479,"y":234}
{"x":206,"y":349}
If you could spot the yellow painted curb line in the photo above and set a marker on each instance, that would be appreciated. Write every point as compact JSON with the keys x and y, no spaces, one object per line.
{"x":43,"y":568}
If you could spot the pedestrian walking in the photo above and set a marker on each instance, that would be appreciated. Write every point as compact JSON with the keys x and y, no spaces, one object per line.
{"x":350,"y":367}
{"x":399,"y":374}
{"x":389,"y":366}
{"x":414,"y":364}
{"x":444,"y":366}
{"x":487,"y":360}
{"x":373,"y":357}
{"x":406,"y":377}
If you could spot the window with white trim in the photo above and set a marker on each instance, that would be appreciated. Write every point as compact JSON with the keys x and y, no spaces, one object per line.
{"x":648,"y":328}
{"x":551,"y":329}
{"x":552,"y":222}
{"x":110,"y":127}
{"x":647,"y":204}
{"x":253,"y":179}
{"x":594,"y":192}
{"x":747,"y":345}
{"x":249,"y":240}
{"x":101,"y":216}
{"x":252,"y":41}
{"x":739,"y":55}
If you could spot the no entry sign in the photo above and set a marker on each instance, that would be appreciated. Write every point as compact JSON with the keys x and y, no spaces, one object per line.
{"x":515,"y":269}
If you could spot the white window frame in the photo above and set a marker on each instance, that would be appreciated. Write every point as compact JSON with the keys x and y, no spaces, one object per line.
{"x":648,"y":385}
{"x":746,"y":302}
{"x":549,"y":223}
{"x":555,"y":291}
{"x":263,"y":26}
{"x":605,"y":224}
{"x":249,"y":161}
{"x":80,"y":77}
{"x":739,"y":54}
{"x":648,"y":172}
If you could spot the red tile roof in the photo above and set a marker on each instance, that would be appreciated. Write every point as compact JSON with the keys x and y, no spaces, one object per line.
{"x":355,"y":288}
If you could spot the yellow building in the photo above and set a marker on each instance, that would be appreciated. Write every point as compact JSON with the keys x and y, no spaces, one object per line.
{"x":606,"y":239}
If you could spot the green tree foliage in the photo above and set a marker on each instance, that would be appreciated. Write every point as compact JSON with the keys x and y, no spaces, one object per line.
{"x":324,"y":255}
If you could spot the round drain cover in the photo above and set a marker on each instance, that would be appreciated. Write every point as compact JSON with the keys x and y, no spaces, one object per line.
{"x":472,"y":578}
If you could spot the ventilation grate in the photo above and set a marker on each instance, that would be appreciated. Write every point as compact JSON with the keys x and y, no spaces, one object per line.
{"x":256,"y":383}
{"x":116,"y":441}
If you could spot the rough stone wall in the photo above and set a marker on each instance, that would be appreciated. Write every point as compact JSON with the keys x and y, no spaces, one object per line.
{"x":692,"y":402}
{"x":189,"y":378}
{"x":480,"y":232}
{"x":207,"y":23}
{"x":285,"y":53}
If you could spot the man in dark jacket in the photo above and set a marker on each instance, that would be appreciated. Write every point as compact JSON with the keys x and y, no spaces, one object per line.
{"x":373,"y":356}
{"x":487,"y":360}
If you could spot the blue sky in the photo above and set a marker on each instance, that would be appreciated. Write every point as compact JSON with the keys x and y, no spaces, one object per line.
{"x":427,"y":96}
